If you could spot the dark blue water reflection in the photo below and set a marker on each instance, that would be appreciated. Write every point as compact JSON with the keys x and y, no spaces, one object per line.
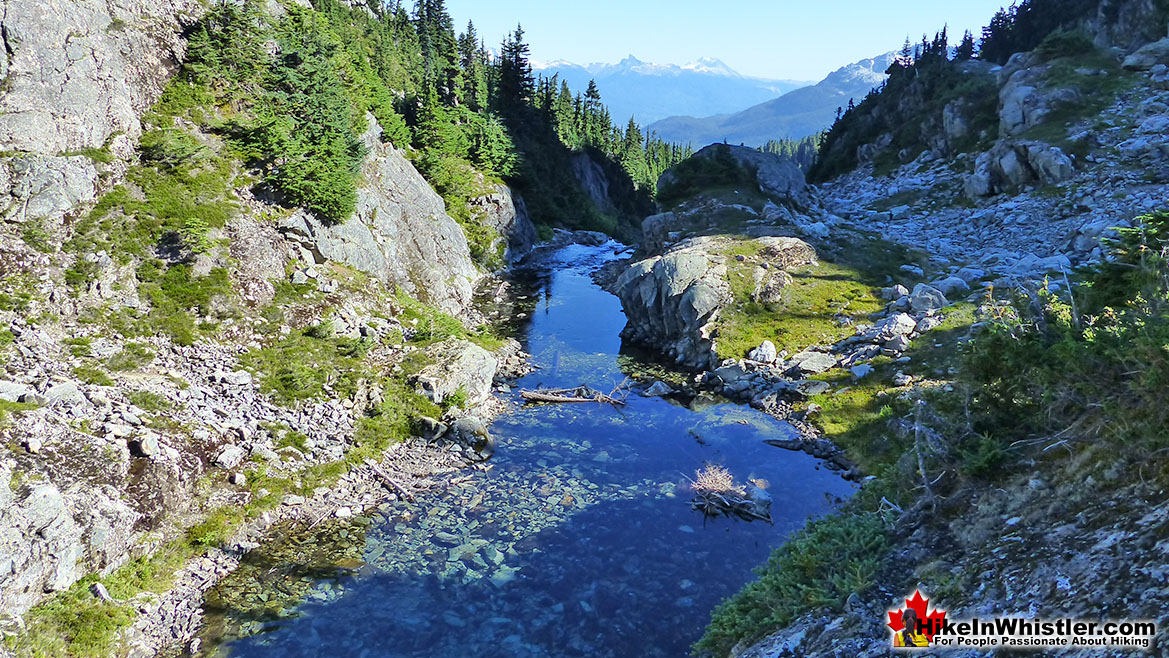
{"x":579,"y":541}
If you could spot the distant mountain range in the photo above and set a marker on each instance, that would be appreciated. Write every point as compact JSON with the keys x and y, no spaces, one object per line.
{"x":649,"y":92}
{"x":795,"y":114}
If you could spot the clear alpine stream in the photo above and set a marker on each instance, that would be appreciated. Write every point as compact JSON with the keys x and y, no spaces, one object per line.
{"x":578,"y":540}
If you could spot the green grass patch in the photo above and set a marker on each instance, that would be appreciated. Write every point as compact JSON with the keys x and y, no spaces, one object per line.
{"x":820,"y":566}
{"x":36,"y":235}
{"x":92,"y":374}
{"x":16,"y":293}
{"x":856,"y":415}
{"x":428,"y":325}
{"x":845,"y":284}
{"x":73,"y":624}
{"x":80,"y":346}
{"x":302,"y":367}
{"x":150,"y":401}
{"x":12,"y":410}
{"x":133,"y":356}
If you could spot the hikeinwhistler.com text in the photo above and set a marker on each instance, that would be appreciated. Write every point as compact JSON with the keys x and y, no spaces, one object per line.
{"x":1020,"y":633}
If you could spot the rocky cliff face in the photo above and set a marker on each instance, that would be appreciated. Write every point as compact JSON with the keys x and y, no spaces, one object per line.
{"x":505,"y":211}
{"x":77,"y":75}
{"x":593,"y":181}
{"x":400,"y":233}
{"x":101,"y":461}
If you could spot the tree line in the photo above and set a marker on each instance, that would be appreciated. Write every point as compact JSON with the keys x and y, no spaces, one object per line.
{"x":300,"y":86}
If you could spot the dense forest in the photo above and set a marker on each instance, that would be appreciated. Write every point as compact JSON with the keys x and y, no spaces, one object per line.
{"x":467,"y":117}
{"x":801,"y":151}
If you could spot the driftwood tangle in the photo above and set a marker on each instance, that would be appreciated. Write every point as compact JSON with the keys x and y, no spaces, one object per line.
{"x":570,"y":395}
{"x":725,"y":503}
{"x":391,"y":483}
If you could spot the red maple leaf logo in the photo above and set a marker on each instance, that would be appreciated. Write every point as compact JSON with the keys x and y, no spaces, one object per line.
{"x":920,"y":605}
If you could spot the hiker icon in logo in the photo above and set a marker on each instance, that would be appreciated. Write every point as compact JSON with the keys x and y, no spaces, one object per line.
{"x":909,"y":636}
{"x":914,"y":625}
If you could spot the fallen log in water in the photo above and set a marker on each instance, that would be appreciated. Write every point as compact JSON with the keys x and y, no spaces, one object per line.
{"x":713,"y":503}
{"x":570,"y":395}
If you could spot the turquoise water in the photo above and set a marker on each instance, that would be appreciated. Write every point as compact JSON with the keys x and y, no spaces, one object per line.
{"x":579,"y":540}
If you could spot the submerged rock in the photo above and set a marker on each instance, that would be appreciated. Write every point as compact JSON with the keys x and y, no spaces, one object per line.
{"x":471,"y":432}
{"x":658,"y":389}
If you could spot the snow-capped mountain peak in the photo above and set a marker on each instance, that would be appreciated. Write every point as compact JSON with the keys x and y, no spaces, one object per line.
{"x":711,"y":66}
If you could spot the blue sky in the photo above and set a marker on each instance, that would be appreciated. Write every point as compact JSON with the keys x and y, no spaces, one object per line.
{"x":786,"y":39}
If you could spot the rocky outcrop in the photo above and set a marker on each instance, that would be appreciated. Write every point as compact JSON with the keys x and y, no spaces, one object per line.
{"x":1010,"y":166}
{"x":505,"y":211}
{"x":1128,"y":24}
{"x":49,"y":540}
{"x":77,"y":72}
{"x":77,"y":75}
{"x":35,"y":186}
{"x":400,"y":233}
{"x":777,"y":177}
{"x":1148,"y":56}
{"x":593,"y":181}
{"x":1024,"y":100}
{"x":457,"y":365}
{"x":673,"y":300}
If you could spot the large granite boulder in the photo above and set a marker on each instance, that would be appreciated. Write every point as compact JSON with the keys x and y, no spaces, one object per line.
{"x":400,"y":232}
{"x":1148,"y":56}
{"x":672,"y":300}
{"x":1010,"y":166}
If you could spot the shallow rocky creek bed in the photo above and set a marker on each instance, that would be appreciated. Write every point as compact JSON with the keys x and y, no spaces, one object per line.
{"x":577,"y":539}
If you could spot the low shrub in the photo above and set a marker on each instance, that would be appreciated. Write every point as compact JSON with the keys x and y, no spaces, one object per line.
{"x":818,"y":567}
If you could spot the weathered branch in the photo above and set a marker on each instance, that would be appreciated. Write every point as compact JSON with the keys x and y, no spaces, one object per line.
{"x":570,"y":395}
